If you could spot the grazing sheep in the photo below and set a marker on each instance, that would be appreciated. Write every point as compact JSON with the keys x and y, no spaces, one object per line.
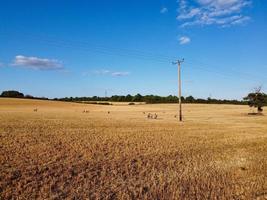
{"x":35,"y":110}
{"x":85,"y":111}
{"x":151,"y":116}
{"x":108,"y":112}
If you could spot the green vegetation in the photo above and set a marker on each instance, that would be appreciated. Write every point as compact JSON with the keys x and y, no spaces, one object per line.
{"x":150,"y":99}
{"x":12,"y":93}
{"x":253,"y":99}
{"x":94,"y":102}
{"x":257,"y":99}
{"x":17,"y":94}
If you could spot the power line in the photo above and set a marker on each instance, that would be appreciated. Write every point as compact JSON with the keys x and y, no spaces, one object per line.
{"x":98,"y":48}
{"x":88,"y":47}
{"x":229,"y":73}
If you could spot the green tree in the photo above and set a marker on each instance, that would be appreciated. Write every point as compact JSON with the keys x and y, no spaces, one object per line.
{"x":190,"y":99}
{"x":128,"y":98}
{"x":256,"y":99}
{"x":137,"y":98}
{"x":114,"y":98}
{"x":121,"y":98}
{"x":12,"y":93}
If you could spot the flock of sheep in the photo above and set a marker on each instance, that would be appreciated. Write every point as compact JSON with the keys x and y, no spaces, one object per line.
{"x":149,"y":115}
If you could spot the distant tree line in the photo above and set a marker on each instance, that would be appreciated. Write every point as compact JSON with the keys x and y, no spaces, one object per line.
{"x":152,"y":99}
{"x":253,"y":99}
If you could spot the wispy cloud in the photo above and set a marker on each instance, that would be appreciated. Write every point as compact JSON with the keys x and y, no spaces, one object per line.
{"x":223,"y":13}
{"x":184,"y":40}
{"x":101,"y":72}
{"x":107,"y":73}
{"x":37,"y":63}
{"x":164,"y":10}
{"x":120,"y":73}
{"x":1,"y":64}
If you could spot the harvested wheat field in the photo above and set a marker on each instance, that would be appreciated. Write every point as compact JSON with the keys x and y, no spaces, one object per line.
{"x":115,"y":152}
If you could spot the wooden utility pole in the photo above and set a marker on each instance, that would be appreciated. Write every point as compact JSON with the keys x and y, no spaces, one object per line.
{"x":178,"y":62}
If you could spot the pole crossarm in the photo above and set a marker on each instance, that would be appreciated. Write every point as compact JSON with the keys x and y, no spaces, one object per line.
{"x":179,"y":62}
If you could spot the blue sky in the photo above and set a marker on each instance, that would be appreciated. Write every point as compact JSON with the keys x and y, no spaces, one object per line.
{"x":82,"y":48}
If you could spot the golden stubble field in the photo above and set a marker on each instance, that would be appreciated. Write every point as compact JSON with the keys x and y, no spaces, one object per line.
{"x":59,"y":152}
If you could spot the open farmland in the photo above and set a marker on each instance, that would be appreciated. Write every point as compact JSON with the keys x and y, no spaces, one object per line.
{"x":218,"y":152}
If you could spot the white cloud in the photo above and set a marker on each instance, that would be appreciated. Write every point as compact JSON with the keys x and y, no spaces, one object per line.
{"x":212,"y":12}
{"x":164,"y":10}
{"x":193,"y":12}
{"x":108,"y":72}
{"x":37,"y":63}
{"x":184,"y":40}
{"x":120,"y":73}
{"x":101,"y":72}
{"x":240,"y":20}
